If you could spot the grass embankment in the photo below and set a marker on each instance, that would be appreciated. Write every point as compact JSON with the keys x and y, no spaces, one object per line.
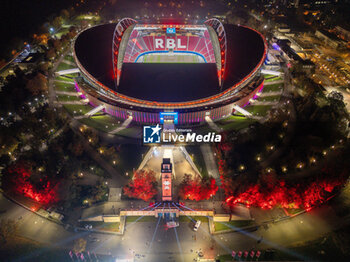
{"x":131,"y":219}
{"x":67,"y":98}
{"x":64,"y":66}
{"x":59,"y":86}
{"x":234,"y":123}
{"x":64,"y":78}
{"x":232,"y":225}
{"x":272,"y":88}
{"x":103,"y":123}
{"x":76,"y":110}
{"x":99,"y":225}
{"x":193,"y":218}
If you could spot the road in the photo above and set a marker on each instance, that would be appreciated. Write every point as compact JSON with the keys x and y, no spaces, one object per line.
{"x":33,"y":226}
{"x":165,"y":247}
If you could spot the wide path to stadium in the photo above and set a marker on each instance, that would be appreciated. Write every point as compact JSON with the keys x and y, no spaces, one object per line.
{"x":172,"y":246}
{"x":210,"y":162}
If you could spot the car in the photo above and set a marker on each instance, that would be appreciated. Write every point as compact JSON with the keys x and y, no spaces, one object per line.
{"x":196,"y":226}
{"x":172,"y":224}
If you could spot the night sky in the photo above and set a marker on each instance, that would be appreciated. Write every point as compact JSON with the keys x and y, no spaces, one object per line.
{"x":22,"y":18}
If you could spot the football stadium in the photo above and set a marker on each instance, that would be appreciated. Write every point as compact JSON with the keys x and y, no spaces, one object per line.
{"x":174,"y":72}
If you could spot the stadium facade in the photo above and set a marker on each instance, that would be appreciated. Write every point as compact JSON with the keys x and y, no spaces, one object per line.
{"x":175,"y":72}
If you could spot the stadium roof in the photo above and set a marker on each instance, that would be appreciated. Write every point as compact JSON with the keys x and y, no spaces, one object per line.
{"x":169,"y":82}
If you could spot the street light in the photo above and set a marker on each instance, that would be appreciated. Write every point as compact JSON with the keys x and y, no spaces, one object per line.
{"x":312,"y":160}
{"x":241,"y":167}
{"x":300,"y":165}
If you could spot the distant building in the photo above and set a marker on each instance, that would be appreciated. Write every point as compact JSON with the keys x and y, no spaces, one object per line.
{"x":343,"y":32}
{"x":285,"y":46}
{"x":29,"y":60}
{"x":284,"y":29}
{"x":328,"y":38}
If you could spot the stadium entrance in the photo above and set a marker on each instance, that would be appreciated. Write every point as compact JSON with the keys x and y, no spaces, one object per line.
{"x":168,"y":118}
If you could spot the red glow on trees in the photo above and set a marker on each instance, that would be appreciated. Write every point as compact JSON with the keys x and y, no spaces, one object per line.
{"x":281,"y":195}
{"x":270,"y":191}
{"x":197,"y":188}
{"x":22,"y":181}
{"x":142,"y":186}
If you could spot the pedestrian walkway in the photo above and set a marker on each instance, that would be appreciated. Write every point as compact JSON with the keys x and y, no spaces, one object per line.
{"x":213,"y":125}
{"x":67,"y":93}
{"x":123,"y":126}
{"x":95,"y":110}
{"x":68,"y":62}
{"x":189,"y":159}
{"x":115,"y":194}
{"x":271,"y":72}
{"x":210,"y":162}
{"x":70,"y":102}
{"x":257,"y":117}
{"x":81,"y":117}
{"x":242,"y":110}
{"x":68,"y":71}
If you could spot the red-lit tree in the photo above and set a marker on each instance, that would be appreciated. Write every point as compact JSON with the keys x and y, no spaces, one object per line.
{"x":22,"y":182}
{"x":197,"y":188}
{"x":142,"y":186}
{"x":306,"y":195}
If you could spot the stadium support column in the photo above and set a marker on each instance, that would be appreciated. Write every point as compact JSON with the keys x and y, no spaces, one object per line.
{"x":120,"y":28}
{"x":221,"y":34}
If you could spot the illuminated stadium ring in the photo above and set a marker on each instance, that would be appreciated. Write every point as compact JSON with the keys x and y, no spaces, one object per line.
{"x":131,"y":40}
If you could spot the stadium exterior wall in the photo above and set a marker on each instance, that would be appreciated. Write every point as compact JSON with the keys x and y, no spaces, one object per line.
{"x":192,"y":112}
{"x":184,"y":118}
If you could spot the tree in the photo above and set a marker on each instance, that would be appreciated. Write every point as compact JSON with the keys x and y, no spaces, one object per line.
{"x":79,"y":245}
{"x":37,"y":85}
{"x":51,"y":54}
{"x":57,"y":22}
{"x":76,"y":148}
{"x":8,"y":141}
{"x":64,"y":14}
{"x":2,"y":62}
{"x":109,"y":151}
{"x":8,"y":228}
{"x":40,"y":39}
{"x":21,"y":179}
{"x":99,"y":192}
{"x":142,"y":186}
{"x":197,"y":188}
{"x":44,"y":67}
